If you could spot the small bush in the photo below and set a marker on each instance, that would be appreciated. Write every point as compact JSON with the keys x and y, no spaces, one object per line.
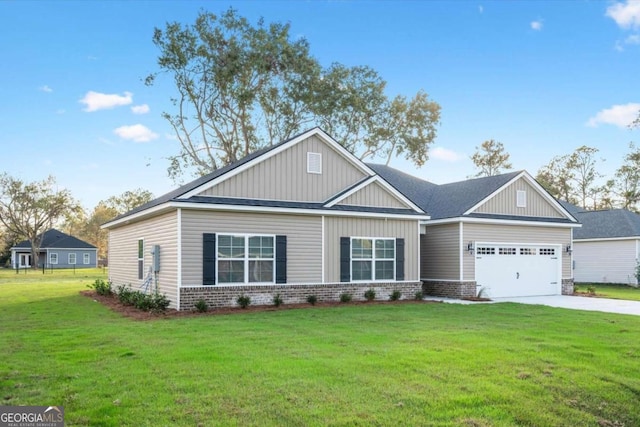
{"x":125,"y":295}
{"x":395,"y":295}
{"x":142,"y":301}
{"x":591,"y":290}
{"x":201,"y":306}
{"x":370,"y":294}
{"x":419,"y":296}
{"x":244,"y":301}
{"x":101,"y":287}
{"x":277,"y":300}
{"x":345,"y":297}
{"x":312,"y":299}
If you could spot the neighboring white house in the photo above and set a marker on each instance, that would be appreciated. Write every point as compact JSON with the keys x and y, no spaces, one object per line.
{"x":607,"y":247}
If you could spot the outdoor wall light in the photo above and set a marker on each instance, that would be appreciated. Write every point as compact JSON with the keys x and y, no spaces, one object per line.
{"x":470,"y":247}
{"x":568,"y":248}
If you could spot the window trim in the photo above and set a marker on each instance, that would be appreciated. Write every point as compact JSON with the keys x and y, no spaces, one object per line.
{"x":314,"y":159}
{"x":521,"y":198}
{"x":86,"y":258}
{"x":245,"y":259}
{"x":373,"y":259}
{"x":75,"y":258}
{"x":51,"y":261}
{"x":140,"y":260}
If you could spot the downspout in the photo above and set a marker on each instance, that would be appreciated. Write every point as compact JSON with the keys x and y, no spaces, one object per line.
{"x":179,"y":278}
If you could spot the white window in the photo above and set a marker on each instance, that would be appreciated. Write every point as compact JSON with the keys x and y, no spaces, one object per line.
{"x":484,"y":250}
{"x":140,"y":259}
{"x":507,"y":251}
{"x":521,"y":199}
{"x":72,"y":259}
{"x":314,"y":163}
{"x":373,"y":259}
{"x":547,"y":251}
{"x":245,"y":258}
{"x":86,"y":258}
{"x":53,"y":258}
{"x":527,"y":251}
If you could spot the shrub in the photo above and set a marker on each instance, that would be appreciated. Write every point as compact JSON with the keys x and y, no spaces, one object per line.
{"x":312,"y":299}
{"x":125,"y":295}
{"x":419,"y":295}
{"x":142,"y":301}
{"x":243,"y":301}
{"x":277,"y":300}
{"x":638,"y":272}
{"x":370,"y":294}
{"x":591,"y":290}
{"x":101,"y":287}
{"x":395,"y":295}
{"x":201,"y":306}
{"x":345,"y":297}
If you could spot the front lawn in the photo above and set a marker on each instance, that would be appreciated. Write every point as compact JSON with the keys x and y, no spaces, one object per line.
{"x":605,"y":290}
{"x":413,"y":364}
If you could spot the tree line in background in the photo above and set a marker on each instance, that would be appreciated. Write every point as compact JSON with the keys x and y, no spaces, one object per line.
{"x":28,"y":210}
{"x":574,"y":177}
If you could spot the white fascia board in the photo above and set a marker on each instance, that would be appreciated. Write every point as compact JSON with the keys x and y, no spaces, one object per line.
{"x":264,"y":209}
{"x":505,"y":222}
{"x":399,"y":196}
{"x":541,"y":191}
{"x":606,"y":239}
{"x":313,"y":132}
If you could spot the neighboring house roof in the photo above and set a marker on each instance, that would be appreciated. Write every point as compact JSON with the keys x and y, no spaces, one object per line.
{"x":187,"y":194}
{"x":607,"y":224}
{"x":455,"y":199}
{"x":55,"y":239}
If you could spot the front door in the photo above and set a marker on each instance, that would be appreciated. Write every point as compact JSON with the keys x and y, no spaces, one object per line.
{"x":25,"y":261}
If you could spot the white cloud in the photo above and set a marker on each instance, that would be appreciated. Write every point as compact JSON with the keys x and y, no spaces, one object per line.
{"x":95,"y":101}
{"x":633,"y":39}
{"x":136,"y":133}
{"x":140,"y":109}
{"x":444,"y":154}
{"x":45,"y":88}
{"x":61,"y":111}
{"x":618,"y":115}
{"x":536,"y":25}
{"x":480,"y":9}
{"x":626,"y":14}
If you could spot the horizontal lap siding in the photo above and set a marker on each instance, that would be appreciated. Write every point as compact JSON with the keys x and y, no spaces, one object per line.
{"x":284,"y":176}
{"x":516,"y":234}
{"x":123,"y":253}
{"x":440,"y":252}
{"x":504,"y":203}
{"x":605,"y":262}
{"x":336,"y":227}
{"x":304,"y":241}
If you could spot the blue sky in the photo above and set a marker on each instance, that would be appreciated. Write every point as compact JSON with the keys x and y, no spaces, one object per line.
{"x":542,"y":77}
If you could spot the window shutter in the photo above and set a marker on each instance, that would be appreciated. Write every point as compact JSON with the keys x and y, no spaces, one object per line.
{"x":345,"y":259}
{"x":399,"y":259}
{"x":281,"y":259}
{"x":208,"y":259}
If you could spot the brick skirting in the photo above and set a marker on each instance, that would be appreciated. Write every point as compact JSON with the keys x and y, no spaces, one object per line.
{"x":567,"y":286}
{"x":225,"y":296}
{"x":451,"y":289}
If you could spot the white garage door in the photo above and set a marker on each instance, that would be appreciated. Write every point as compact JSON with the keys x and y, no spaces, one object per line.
{"x":513,"y":270}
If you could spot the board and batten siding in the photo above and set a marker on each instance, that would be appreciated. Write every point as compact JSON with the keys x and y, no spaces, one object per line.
{"x":304,"y":240}
{"x":336,"y":227}
{"x":504,"y":203}
{"x":440,"y":252}
{"x":612,"y":261}
{"x":373,"y":195}
{"x":284,"y":176}
{"x":516,"y":234}
{"x":161,"y":230}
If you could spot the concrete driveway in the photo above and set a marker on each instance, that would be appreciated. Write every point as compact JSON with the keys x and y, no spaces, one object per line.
{"x":563,"y":301}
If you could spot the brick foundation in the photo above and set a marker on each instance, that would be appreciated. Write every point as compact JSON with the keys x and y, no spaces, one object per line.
{"x":449,"y":289}
{"x":567,"y":286}
{"x":225,"y":296}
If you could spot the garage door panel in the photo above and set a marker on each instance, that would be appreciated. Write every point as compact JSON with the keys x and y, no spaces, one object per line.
{"x":508,"y":270}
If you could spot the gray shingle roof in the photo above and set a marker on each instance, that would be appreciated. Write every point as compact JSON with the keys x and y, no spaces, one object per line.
{"x":55,"y":239}
{"x":447,"y":200}
{"x":607,"y":224}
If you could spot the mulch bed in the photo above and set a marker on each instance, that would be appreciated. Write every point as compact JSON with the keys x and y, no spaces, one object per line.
{"x":114,"y":304}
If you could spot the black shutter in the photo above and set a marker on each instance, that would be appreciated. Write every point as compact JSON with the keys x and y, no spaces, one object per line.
{"x":281,"y":259}
{"x":399,"y":259}
{"x":208,"y":259}
{"x":345,"y":259}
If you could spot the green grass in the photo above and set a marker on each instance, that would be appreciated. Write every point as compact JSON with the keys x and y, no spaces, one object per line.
{"x":605,"y":290}
{"x":410,"y":364}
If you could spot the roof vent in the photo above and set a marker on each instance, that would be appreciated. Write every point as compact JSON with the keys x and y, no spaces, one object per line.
{"x":314,"y":163}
